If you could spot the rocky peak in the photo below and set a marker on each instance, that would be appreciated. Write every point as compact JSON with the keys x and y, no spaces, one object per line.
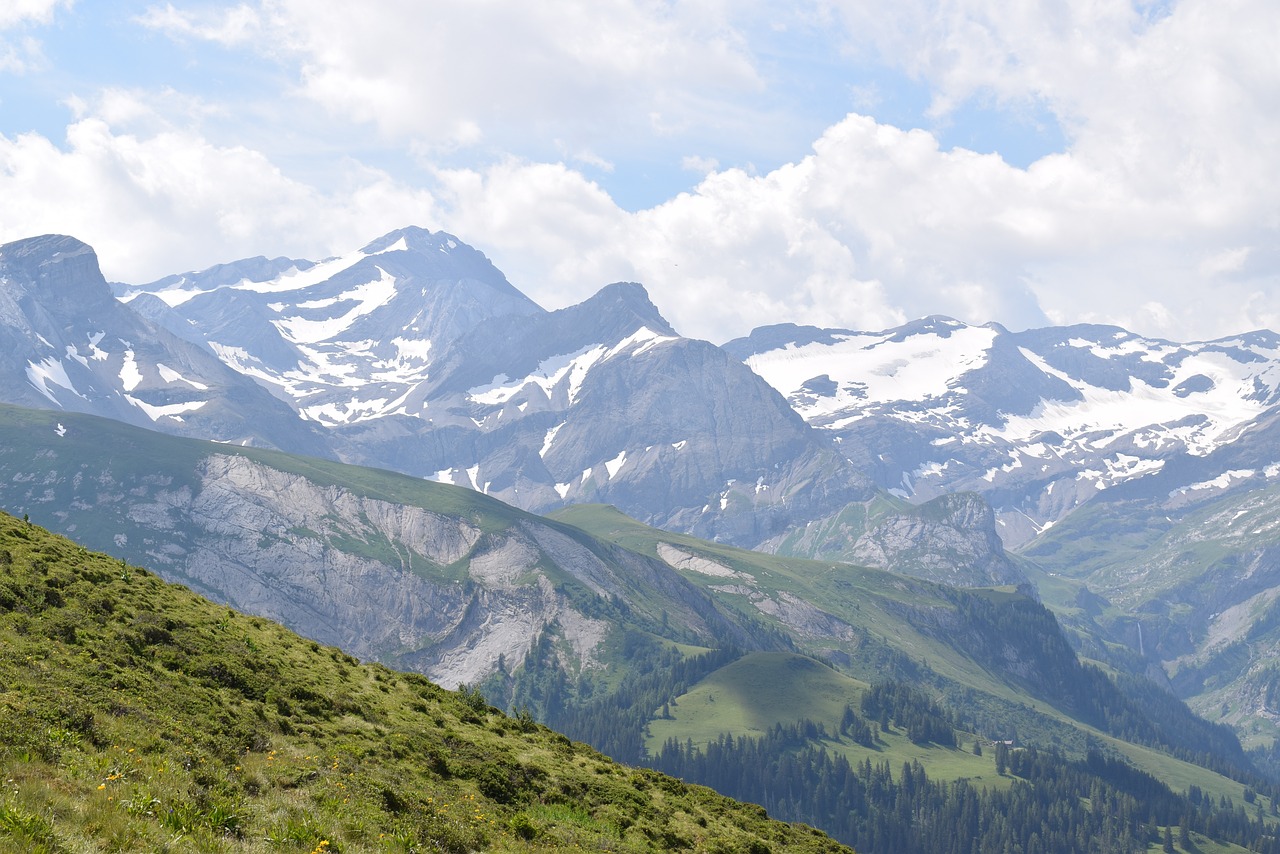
{"x":438,"y":255}
{"x":627,"y":307}
{"x":58,"y":272}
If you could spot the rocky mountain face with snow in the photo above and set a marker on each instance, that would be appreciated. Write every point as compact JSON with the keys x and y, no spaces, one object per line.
{"x":66,"y":343}
{"x":343,"y":340}
{"x":415,"y":353}
{"x":1132,"y":475}
{"x":1037,"y":422}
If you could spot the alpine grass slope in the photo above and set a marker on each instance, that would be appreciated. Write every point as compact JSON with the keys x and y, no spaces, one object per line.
{"x":139,"y":716}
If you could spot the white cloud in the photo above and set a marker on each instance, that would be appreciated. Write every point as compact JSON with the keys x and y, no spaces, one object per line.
{"x":171,"y":201}
{"x":227,"y":27}
{"x":21,"y":54}
{"x":702,"y":165}
{"x":1224,"y":262}
{"x":879,"y":225}
{"x":15,"y":12}
{"x":455,"y":74}
{"x":1158,"y":215}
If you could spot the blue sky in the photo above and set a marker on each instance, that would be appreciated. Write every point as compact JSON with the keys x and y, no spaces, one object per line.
{"x":834,"y":162}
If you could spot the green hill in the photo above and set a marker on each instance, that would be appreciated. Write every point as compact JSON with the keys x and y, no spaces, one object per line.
{"x":754,"y":693}
{"x":137,"y":716}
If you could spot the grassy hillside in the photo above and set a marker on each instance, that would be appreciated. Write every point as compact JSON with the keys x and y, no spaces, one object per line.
{"x":755,"y":692}
{"x":140,"y":717}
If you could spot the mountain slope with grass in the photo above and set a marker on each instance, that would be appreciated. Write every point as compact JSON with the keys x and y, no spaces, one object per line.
{"x":139,"y":716}
{"x":612,"y":632}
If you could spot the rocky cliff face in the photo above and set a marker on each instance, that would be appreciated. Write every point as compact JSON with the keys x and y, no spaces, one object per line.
{"x":951,"y":540}
{"x":450,"y":594}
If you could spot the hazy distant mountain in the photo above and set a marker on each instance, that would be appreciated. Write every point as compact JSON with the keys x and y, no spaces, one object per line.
{"x":1108,"y":458}
{"x":1038,"y":422}
{"x":65,"y":343}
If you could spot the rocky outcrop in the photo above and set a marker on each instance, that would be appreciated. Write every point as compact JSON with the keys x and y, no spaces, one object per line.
{"x":951,"y":540}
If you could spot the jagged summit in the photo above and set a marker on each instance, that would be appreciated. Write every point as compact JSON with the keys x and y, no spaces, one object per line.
{"x":630,"y":303}
{"x":344,"y":339}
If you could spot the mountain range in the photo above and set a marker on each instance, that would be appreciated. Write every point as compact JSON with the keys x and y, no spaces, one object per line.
{"x":391,"y":428}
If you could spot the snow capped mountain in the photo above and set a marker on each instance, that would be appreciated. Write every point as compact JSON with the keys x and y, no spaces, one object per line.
{"x":605,"y":402}
{"x":1038,"y":421}
{"x":65,"y":343}
{"x":345,"y":339}
{"x":415,"y":353}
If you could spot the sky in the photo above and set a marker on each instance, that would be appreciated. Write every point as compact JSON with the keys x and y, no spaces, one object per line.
{"x":840,"y":163}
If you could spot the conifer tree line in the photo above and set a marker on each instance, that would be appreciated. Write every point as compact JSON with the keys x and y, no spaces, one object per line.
{"x":1053,"y":805}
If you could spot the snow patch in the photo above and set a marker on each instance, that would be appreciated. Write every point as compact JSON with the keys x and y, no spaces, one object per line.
{"x":614,"y":465}
{"x":344,"y":413}
{"x":1222,"y":481}
{"x":871,"y":368}
{"x":169,"y":410}
{"x":95,"y":353}
{"x":169,"y":375}
{"x":50,"y":372}
{"x":130,"y":376}
{"x":640,"y":341}
{"x":548,"y":376}
{"x":367,"y":297}
{"x":546,"y":442}
{"x":400,"y":245}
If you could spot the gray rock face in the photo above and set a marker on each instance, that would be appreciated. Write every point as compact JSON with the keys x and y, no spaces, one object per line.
{"x":418,"y":355}
{"x":951,"y":540}
{"x":603,"y":402}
